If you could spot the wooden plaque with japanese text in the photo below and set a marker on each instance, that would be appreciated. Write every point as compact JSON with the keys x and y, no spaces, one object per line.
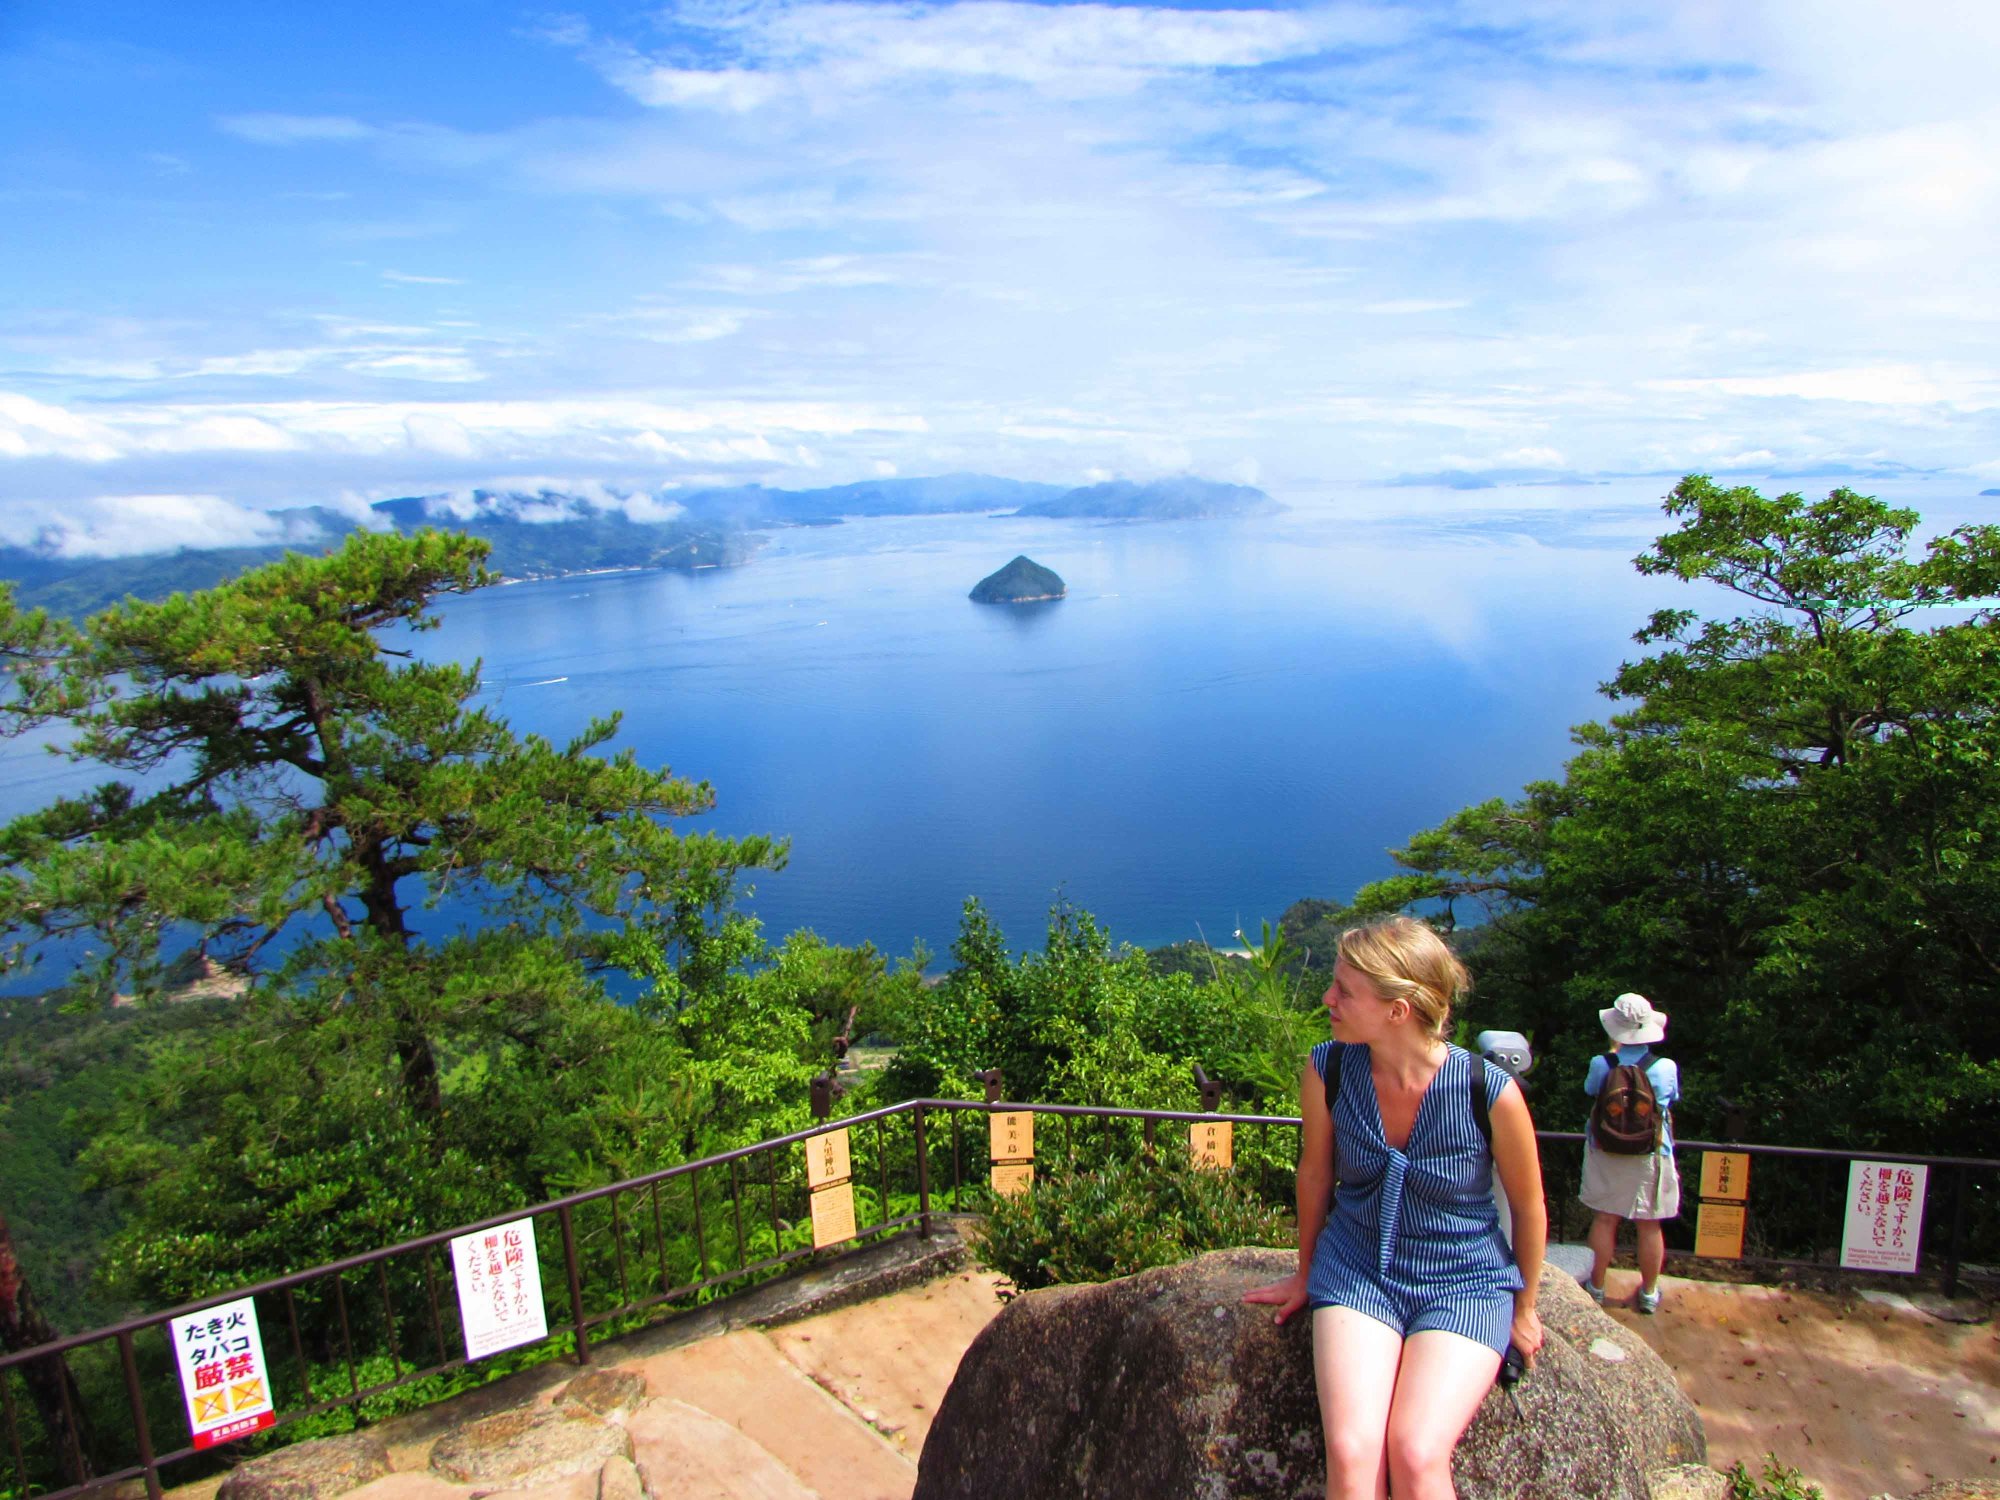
{"x":1718,"y":1231}
{"x":827,"y":1161}
{"x":1726,"y":1175}
{"x":833,"y":1214}
{"x":1011,"y":1134}
{"x":1010,"y":1178}
{"x":1213,"y":1143}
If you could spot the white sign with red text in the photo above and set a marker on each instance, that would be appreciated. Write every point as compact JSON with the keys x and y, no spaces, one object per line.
{"x":1885,"y":1216}
{"x":223,"y":1374}
{"x":499,"y":1288}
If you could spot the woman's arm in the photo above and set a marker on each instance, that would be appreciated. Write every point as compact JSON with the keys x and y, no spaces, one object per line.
{"x":1315,"y":1191}
{"x":1519,"y":1163}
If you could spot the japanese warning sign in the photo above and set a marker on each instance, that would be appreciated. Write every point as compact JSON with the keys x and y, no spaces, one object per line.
{"x":1885,"y":1216}
{"x":223,"y":1374}
{"x":499,"y":1288}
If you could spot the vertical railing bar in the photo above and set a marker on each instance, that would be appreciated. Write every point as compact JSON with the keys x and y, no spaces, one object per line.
{"x":13,"y":1426}
{"x":700,"y":1237}
{"x":81,"y":1471}
{"x":298,"y":1348}
{"x":140,"y":1426}
{"x":660,"y":1239}
{"x":923,"y":1177}
{"x":736,"y":1202}
{"x":618,"y":1246}
{"x":437,"y":1317}
{"x":346,"y":1337}
{"x":575,"y":1285}
{"x":957,"y":1164}
{"x":882,"y":1214}
{"x":389,"y":1318}
{"x":771,"y":1173}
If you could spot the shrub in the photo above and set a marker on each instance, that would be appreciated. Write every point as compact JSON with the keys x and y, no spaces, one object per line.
{"x":1124,"y":1217}
{"x":1781,"y":1482}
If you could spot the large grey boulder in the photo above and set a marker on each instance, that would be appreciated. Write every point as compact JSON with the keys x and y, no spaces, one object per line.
{"x":1166,"y":1385}
{"x":313,"y":1470}
{"x":529,"y":1447}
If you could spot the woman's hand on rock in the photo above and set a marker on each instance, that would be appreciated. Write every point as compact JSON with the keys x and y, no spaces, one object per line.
{"x":1528,"y":1333}
{"x":1289,"y":1295}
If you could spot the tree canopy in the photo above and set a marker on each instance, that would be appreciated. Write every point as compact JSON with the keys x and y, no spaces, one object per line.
{"x":1788,"y":834}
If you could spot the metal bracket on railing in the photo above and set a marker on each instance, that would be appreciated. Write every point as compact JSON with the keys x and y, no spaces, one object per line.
{"x":991,"y":1078}
{"x":1211,"y":1089}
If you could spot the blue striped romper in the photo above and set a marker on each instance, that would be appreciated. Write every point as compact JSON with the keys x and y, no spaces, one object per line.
{"x":1413,"y":1239}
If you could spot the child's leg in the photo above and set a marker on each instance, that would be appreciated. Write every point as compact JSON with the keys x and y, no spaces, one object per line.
{"x":1652,"y":1251}
{"x":1354,"y":1362}
{"x":1443,"y":1379}
{"x":1603,"y":1240}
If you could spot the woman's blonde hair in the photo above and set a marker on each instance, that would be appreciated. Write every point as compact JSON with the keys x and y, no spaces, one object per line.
{"x":1408,"y":961}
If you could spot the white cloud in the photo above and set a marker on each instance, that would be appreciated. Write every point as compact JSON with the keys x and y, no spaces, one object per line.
{"x":292,"y":130}
{"x":408,"y":278}
{"x":121,"y":525}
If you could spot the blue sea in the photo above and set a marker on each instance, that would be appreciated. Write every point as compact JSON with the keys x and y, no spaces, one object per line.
{"x":1220,"y":718}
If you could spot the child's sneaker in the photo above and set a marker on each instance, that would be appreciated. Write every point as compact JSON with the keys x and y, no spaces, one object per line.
{"x":1596,"y":1292}
{"x":1647,"y":1302}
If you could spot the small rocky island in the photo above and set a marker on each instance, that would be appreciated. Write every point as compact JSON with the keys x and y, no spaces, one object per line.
{"x":1022,"y":581}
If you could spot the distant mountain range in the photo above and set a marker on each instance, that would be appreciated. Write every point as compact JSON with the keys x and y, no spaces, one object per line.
{"x":549,"y":533}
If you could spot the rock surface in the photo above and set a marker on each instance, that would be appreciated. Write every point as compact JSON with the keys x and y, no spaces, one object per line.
{"x":1960,"y":1489}
{"x":530,"y":1447}
{"x":1167,"y":1385}
{"x":1688,"y":1482}
{"x":312,"y":1470}
{"x":609,"y":1393}
{"x":1022,"y":581}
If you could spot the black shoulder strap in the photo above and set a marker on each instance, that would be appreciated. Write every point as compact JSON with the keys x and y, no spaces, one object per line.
{"x":1331,"y":1078}
{"x":1482,"y":1109}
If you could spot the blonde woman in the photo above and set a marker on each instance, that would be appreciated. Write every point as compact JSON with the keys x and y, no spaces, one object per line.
{"x":1414,"y":1293}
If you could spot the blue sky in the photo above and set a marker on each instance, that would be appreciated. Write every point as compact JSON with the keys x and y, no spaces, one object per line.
{"x":259,"y":255}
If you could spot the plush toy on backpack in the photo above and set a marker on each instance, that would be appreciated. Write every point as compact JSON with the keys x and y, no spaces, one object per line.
{"x":1626,"y":1118}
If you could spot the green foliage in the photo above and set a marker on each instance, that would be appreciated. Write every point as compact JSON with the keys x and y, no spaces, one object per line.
{"x":1077,"y":1022}
{"x":1788,"y":836}
{"x":1781,"y":1482}
{"x":292,"y":789}
{"x":1123,"y":1217}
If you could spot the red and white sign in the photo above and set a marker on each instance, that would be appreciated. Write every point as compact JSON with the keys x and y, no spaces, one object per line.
{"x":223,"y":1374}
{"x":1885,"y":1216}
{"x":499,"y":1288}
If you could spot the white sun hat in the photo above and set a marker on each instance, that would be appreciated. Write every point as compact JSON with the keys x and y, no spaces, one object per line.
{"x":1632,"y":1020}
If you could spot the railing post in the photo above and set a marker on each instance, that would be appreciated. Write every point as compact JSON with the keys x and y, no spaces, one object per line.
{"x":140,"y":1426}
{"x":1954,"y":1247}
{"x":923,"y":1178}
{"x":575,"y":1285}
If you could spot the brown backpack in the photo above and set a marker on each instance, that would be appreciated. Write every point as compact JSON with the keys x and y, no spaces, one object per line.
{"x":1625,"y":1120}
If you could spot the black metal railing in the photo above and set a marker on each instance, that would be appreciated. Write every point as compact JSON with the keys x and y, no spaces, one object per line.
{"x":351,"y":1340}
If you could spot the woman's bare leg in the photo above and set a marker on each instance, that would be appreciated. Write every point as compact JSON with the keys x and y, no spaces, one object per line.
{"x":1603,"y":1241}
{"x":1652,"y":1252}
{"x":1444,"y":1377}
{"x":1354,"y":1362}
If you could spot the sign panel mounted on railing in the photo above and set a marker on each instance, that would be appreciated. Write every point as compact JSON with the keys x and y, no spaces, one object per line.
{"x":1885,"y":1216}
{"x":1010,"y":1135}
{"x":829,"y":1174}
{"x":1718,"y":1230}
{"x":1213,"y":1143}
{"x":499,"y":1288}
{"x":223,"y":1374}
{"x":1725,"y":1175}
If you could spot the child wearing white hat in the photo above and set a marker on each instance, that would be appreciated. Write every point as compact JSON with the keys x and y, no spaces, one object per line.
{"x":1643,"y":1185}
